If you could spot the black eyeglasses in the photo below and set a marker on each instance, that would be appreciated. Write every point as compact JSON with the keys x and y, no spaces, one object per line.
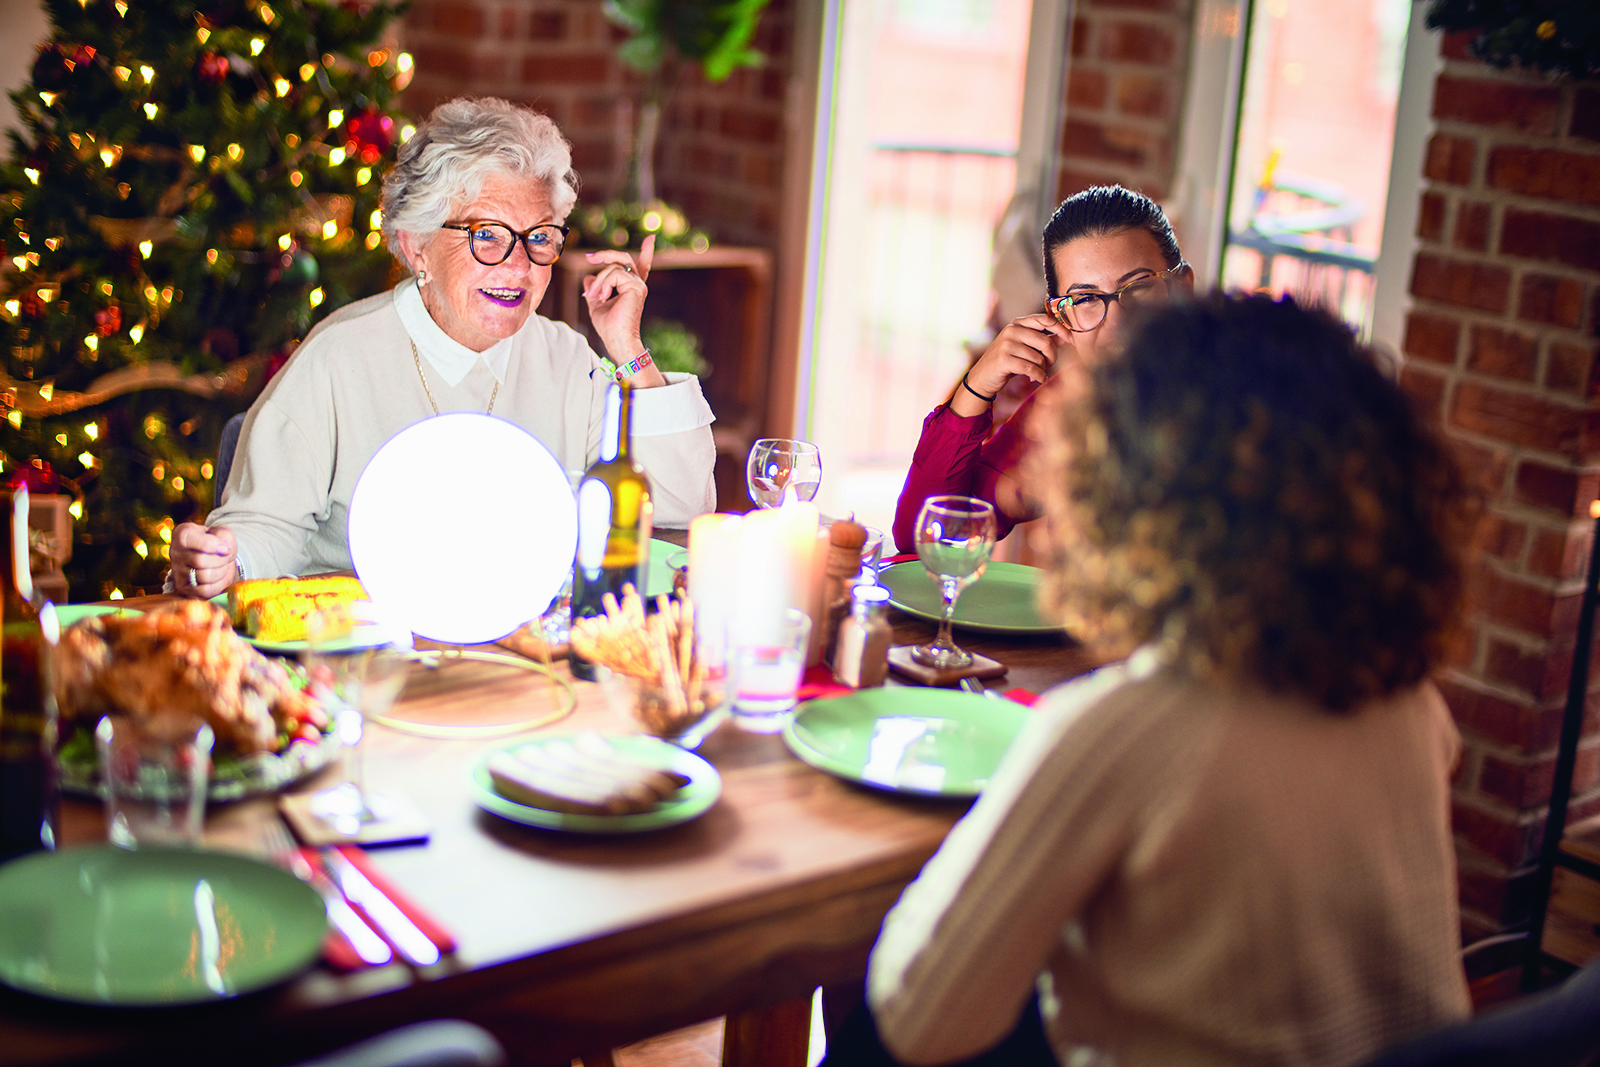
{"x":493,"y":242}
{"x":1083,"y":312}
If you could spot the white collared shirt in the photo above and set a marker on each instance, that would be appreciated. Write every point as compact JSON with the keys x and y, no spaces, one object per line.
{"x":452,"y":359}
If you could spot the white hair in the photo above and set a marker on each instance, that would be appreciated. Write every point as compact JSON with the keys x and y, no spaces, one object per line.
{"x":457,"y":148}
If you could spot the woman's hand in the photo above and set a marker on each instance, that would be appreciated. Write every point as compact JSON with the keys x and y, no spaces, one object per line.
{"x":1028,"y":346}
{"x":203,"y":559}
{"x":616,"y":305}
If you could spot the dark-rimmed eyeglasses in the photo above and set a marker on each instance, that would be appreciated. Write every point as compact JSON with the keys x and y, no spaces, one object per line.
{"x":1085,"y":311}
{"x":493,"y":242}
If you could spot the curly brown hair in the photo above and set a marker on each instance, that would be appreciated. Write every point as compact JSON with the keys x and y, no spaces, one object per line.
{"x":1244,"y":485}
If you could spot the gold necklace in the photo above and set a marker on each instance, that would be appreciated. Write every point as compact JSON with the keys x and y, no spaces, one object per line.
{"x":418,"y":360}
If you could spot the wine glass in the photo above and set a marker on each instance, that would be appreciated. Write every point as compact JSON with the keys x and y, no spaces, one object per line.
{"x":780,"y":468}
{"x":363,"y":670}
{"x":954,"y":535}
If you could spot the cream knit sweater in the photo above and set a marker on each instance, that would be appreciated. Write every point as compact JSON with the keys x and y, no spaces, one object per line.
{"x":354,"y":384}
{"x":1192,"y":874}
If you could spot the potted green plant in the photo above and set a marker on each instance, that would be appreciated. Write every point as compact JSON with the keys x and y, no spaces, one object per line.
{"x":667,"y":37}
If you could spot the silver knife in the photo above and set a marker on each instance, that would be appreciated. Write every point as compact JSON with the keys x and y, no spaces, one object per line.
{"x":406,"y":936}
{"x":369,"y":946}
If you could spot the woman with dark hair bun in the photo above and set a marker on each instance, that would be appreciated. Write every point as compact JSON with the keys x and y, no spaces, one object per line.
{"x":1107,"y":250}
{"x":1234,"y":846}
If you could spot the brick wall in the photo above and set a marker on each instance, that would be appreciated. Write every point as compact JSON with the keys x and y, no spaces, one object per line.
{"x":1501,"y":347}
{"x":1124,"y":97}
{"x":722,"y":146}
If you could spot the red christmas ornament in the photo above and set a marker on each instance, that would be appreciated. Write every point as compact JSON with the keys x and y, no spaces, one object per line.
{"x":108,"y":321}
{"x":32,"y":306}
{"x":82,"y":55}
{"x":369,"y":134}
{"x":213,"y":67}
{"x":37,"y":475}
{"x":276,"y":361}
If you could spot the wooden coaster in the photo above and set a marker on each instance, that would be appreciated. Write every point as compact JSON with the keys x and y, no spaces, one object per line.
{"x":404,"y":823}
{"x":980,"y":667}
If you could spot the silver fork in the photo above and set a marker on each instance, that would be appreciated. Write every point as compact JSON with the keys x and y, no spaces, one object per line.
{"x":972,"y":685}
{"x":281,"y":850}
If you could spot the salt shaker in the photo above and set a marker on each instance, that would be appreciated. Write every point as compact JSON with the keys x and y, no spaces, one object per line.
{"x":862,"y":656}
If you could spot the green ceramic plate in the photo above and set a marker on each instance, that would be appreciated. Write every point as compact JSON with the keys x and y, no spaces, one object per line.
{"x":658,"y":576}
{"x":692,"y":801}
{"x":102,"y":925}
{"x":1003,"y":601}
{"x":358,"y":638}
{"x":71,"y":613}
{"x":931,"y":742}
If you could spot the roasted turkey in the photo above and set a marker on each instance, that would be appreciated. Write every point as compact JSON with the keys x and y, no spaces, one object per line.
{"x":171,"y":665}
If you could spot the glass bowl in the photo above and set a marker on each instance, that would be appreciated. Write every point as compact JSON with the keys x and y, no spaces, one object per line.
{"x":663,"y":714}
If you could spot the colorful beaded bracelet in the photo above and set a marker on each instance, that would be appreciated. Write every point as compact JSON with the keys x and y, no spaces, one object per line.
{"x":628,"y":369}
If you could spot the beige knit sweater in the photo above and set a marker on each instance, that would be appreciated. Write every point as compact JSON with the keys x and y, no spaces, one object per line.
{"x":1192,"y":874}
{"x":354,"y":383}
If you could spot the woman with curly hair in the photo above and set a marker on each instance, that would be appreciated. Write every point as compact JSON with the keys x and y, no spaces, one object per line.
{"x":1232,"y":847}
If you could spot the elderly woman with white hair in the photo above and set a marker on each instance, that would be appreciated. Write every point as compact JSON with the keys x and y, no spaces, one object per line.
{"x":475,"y":207}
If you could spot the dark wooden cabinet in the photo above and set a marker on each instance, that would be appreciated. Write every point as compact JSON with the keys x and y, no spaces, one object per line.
{"x":724,"y":295}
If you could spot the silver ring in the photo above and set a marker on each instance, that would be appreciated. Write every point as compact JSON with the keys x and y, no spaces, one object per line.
{"x":194,"y":578}
{"x":627,"y":268}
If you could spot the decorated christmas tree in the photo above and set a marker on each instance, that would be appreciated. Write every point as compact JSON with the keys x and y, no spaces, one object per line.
{"x":195,"y":185}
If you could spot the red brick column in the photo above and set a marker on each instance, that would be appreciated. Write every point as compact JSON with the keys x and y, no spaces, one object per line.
{"x":1125,"y":84}
{"x":721,"y":147}
{"x":1501,"y":349}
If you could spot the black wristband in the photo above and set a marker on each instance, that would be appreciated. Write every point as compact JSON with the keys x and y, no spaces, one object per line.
{"x":974,"y":392}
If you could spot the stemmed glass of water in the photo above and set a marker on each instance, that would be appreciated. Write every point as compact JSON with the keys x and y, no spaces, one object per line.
{"x":365,"y":672}
{"x":954,"y":535}
{"x":781,"y":468}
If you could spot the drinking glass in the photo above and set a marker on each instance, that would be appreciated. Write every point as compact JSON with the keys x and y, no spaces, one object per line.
{"x":955,"y":535}
{"x":556,"y":622}
{"x":780,"y":468}
{"x":365,"y":682}
{"x":764,"y":673}
{"x":154,"y":778}
{"x":872,"y":551}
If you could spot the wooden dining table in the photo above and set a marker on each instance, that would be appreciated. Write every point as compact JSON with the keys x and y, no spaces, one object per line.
{"x":571,"y":945}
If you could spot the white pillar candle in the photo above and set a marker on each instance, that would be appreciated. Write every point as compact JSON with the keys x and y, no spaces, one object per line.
{"x":816,"y":605}
{"x":774,"y":568}
{"x":714,"y":580}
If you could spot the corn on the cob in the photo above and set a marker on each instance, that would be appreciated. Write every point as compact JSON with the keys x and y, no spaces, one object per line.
{"x":276,"y":609}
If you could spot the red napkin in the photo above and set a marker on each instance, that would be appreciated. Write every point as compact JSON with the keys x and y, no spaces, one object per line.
{"x":1025,"y":697}
{"x":818,"y":683}
{"x":335,"y":949}
{"x":904,"y":557}
{"x":425,"y":922}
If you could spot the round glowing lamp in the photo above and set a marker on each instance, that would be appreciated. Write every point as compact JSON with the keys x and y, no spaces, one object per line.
{"x":462,"y":528}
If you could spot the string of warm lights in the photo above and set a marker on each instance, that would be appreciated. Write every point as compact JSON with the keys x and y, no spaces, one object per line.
{"x":222,"y":187}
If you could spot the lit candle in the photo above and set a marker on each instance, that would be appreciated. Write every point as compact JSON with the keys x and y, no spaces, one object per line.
{"x":713,"y":580}
{"x":775,"y":550}
{"x":816,"y":595}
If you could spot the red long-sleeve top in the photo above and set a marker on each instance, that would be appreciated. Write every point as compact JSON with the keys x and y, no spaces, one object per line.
{"x":956,"y":454}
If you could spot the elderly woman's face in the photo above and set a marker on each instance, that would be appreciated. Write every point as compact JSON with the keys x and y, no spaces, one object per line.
{"x":1104,"y":263}
{"x":475,"y":304}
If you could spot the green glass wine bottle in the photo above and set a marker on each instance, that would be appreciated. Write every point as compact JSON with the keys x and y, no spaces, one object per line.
{"x":28,"y":803}
{"x":615,"y":517}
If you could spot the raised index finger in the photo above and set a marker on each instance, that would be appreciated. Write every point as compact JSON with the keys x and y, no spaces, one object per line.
{"x":647,"y":255}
